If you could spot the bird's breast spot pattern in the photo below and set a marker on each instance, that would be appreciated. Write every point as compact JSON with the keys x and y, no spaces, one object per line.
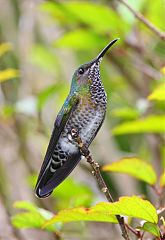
{"x":92,"y":125}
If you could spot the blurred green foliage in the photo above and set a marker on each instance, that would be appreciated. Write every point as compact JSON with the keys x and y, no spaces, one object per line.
{"x":33,"y":217}
{"x":68,"y":193}
{"x":38,"y":55}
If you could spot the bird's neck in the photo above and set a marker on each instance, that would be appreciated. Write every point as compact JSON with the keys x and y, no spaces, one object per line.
{"x":97,"y":91}
{"x":96,"y":86}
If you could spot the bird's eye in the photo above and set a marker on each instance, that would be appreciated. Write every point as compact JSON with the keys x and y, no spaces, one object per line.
{"x":81,"y":71}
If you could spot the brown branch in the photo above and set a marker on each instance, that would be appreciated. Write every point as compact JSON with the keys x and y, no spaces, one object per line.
{"x":145,"y":21}
{"x":135,"y":232}
{"x":96,"y":172}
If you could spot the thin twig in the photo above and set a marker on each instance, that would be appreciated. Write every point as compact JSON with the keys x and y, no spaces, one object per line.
{"x":135,"y":232}
{"x":144,"y":20}
{"x":96,"y":172}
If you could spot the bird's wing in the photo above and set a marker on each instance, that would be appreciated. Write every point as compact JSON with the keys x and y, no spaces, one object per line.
{"x":61,"y":173}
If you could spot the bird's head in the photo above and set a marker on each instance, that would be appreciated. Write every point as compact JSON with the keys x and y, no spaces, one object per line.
{"x":89,"y":72}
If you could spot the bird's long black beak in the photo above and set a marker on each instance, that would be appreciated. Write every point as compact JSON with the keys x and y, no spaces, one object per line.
{"x":102,"y":53}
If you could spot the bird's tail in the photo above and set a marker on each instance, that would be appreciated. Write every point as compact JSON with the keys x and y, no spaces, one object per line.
{"x":49,"y":180}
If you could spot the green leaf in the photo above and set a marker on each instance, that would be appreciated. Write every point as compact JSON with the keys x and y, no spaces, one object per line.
{"x":151,"y":228}
{"x":77,"y":39}
{"x":34,"y":217}
{"x":125,"y":113}
{"x":158,"y":93}
{"x":104,"y":211}
{"x":162,"y":180}
{"x":28,"y":220}
{"x":82,"y":214}
{"x":130,"y":165}
{"x":8,"y":74}
{"x":150,"y":124}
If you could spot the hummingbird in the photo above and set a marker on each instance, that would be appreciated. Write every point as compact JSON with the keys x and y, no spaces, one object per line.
{"x":84,"y":109}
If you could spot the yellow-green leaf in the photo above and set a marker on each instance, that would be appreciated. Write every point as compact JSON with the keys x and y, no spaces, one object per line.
{"x":5,"y":47}
{"x":151,"y":228}
{"x":134,"y":167}
{"x":8,"y":74}
{"x":28,"y":220}
{"x":104,"y":211}
{"x":150,"y":124}
{"x":158,"y":93}
{"x":83,"y":214}
{"x":34,"y":217}
{"x":162,"y":179}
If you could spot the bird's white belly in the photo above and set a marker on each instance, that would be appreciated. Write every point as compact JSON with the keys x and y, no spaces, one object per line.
{"x":67,"y":145}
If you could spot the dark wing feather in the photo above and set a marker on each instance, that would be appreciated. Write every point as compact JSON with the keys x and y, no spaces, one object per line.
{"x":44,"y":190}
{"x":50,"y":149}
{"x":63,"y":172}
